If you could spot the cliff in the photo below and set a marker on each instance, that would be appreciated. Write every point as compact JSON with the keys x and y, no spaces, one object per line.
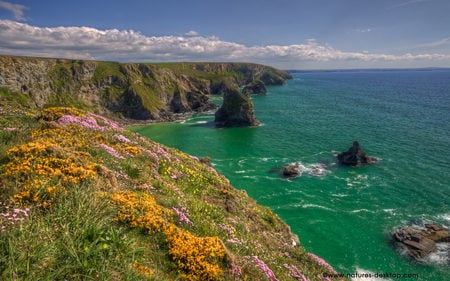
{"x":81,"y":198}
{"x":139,"y":91}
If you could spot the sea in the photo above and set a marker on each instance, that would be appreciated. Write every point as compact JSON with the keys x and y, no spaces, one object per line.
{"x":343,"y":214}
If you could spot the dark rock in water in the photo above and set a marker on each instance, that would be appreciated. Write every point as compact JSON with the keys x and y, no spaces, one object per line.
{"x":355,"y":156}
{"x":254,"y":87}
{"x":292,"y":170}
{"x":236,"y":111}
{"x":418,"y":243}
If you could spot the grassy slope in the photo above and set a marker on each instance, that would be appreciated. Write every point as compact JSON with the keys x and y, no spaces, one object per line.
{"x":83,"y":199}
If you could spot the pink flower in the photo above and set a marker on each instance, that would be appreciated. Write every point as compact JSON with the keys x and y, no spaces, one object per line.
{"x":122,"y":138}
{"x":267,"y":271}
{"x":322,"y":262}
{"x":182,"y":214}
{"x":110,"y":150}
{"x":295,"y":272}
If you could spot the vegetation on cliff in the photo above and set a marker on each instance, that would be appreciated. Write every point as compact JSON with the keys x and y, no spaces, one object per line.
{"x":83,"y":198}
{"x":140,"y":91}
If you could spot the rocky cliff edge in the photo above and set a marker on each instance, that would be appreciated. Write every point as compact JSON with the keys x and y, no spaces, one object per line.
{"x":139,"y":91}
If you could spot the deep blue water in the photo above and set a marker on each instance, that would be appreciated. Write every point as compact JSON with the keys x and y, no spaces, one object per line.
{"x":342,"y":214}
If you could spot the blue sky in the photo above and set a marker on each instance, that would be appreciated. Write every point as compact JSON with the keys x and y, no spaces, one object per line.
{"x":289,"y":34}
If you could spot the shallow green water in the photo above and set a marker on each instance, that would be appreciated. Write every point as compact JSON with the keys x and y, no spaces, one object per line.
{"x":341,"y":214}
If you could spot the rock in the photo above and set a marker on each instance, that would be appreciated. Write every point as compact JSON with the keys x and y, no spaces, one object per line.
{"x":418,"y":243}
{"x":292,"y":170}
{"x":355,"y":156}
{"x":236,"y":111}
{"x":254,"y":87}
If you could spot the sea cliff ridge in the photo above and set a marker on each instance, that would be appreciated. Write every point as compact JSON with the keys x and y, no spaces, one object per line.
{"x":84,"y":197}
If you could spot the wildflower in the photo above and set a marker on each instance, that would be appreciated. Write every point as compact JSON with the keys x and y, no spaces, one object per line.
{"x":322,"y":262}
{"x":122,"y":138}
{"x":295,"y":272}
{"x":234,"y":241}
{"x":110,"y":150}
{"x":182,"y":215}
{"x":263,"y":266}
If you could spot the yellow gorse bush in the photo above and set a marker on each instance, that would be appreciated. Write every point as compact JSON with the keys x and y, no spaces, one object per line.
{"x":197,"y":257}
{"x":44,"y":166}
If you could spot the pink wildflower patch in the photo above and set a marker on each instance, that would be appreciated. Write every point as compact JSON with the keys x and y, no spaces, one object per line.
{"x":322,"y":262}
{"x":87,"y":122}
{"x":227,"y":228}
{"x":90,"y":122}
{"x":295,"y":272}
{"x":110,"y":123}
{"x":183,"y":214}
{"x":9,"y":129}
{"x":234,"y":241}
{"x":123,"y":139}
{"x":263,"y":266}
{"x":10,"y":216}
{"x":111,"y":151}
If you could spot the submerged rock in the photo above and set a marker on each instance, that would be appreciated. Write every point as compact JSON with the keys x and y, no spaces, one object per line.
{"x":355,"y":156}
{"x":236,"y":111}
{"x":418,"y":243}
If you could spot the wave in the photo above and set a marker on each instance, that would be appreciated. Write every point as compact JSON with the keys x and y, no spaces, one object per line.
{"x":314,"y":206}
{"x":441,"y":256}
{"x":362,"y":210}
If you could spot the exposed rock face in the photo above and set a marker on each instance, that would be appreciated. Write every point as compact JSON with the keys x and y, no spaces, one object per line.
{"x":255,"y":87}
{"x":236,"y":111}
{"x":292,"y":170}
{"x":133,"y":90}
{"x":419,"y":243}
{"x":355,"y":156}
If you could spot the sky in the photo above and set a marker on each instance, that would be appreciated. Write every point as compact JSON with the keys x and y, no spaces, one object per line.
{"x":288,"y":34}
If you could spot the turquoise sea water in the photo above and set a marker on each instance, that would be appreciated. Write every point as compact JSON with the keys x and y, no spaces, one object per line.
{"x":342,"y":214}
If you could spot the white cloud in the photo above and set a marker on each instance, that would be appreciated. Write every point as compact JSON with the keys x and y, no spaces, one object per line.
{"x":434,"y":44}
{"x":16,"y":9}
{"x":128,"y":45}
{"x":406,"y":3}
{"x":192,"y":33}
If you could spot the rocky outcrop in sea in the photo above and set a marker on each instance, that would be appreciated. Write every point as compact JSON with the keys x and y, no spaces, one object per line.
{"x":355,"y":156}
{"x":420,"y":242}
{"x":236,"y":111}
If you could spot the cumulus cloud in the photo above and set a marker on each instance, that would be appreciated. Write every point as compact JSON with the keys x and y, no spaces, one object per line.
{"x":192,"y":33}
{"x":128,"y":45}
{"x":16,"y":9}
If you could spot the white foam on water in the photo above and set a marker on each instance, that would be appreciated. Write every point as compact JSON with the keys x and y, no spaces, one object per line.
{"x":339,"y":195}
{"x":445,"y":217}
{"x":314,"y":206}
{"x":389,"y":211}
{"x":201,"y":122}
{"x":441,"y":256}
{"x":362,"y":210}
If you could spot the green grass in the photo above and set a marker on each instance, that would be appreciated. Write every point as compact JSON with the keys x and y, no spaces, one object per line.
{"x":76,"y":236}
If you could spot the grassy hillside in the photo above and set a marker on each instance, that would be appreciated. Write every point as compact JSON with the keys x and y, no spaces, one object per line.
{"x":82,"y":198}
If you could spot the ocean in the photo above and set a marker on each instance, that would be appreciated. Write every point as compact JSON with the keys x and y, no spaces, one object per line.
{"x":342,"y":214}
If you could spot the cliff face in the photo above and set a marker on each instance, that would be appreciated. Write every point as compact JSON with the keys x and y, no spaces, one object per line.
{"x":236,"y":111}
{"x":134,"y":90}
